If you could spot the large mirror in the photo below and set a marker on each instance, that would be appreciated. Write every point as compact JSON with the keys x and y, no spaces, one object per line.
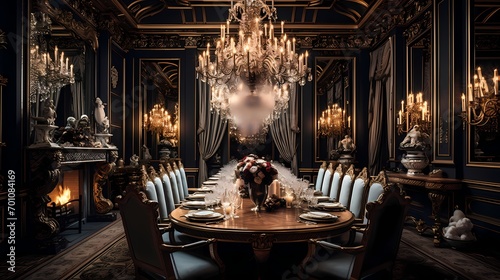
{"x":61,"y":75}
{"x":484,"y":136}
{"x":334,"y":93}
{"x":160,"y":90}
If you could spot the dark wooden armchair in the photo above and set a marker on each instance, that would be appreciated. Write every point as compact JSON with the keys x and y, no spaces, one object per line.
{"x":378,"y":248}
{"x":152,"y":257}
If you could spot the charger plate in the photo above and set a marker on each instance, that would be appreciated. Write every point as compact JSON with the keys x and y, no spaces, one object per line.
{"x":320,"y":217}
{"x":204,"y":216}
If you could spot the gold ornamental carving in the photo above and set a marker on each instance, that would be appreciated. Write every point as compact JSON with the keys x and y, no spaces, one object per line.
{"x":103,"y":171}
{"x":261,"y":245}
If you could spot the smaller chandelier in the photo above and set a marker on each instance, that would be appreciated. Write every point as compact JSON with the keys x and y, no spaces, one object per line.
{"x":481,"y":106}
{"x":160,"y":122}
{"x":333,"y":122}
{"x":416,"y":112}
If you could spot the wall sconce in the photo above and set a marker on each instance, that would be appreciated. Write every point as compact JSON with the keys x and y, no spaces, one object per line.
{"x":481,"y":106}
{"x":416,"y":112}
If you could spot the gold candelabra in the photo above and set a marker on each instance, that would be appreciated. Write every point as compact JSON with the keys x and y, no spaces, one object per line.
{"x":481,"y":106}
{"x":416,"y":112}
{"x":333,"y":122}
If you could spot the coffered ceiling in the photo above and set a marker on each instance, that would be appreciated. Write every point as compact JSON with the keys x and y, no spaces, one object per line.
{"x":206,"y":16}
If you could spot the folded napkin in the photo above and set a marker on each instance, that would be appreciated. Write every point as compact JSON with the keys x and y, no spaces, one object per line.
{"x":321,"y":215}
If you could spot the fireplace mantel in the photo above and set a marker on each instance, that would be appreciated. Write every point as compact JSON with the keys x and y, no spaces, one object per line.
{"x":45,"y":175}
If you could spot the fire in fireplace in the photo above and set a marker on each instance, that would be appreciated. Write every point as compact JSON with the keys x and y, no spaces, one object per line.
{"x":66,"y":201}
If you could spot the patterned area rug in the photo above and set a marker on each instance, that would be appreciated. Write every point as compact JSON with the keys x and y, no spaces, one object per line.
{"x":105,"y":255}
{"x":79,"y":255}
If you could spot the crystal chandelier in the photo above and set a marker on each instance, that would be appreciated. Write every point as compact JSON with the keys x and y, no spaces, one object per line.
{"x":416,"y":112}
{"x":49,"y":72}
{"x":333,"y":122}
{"x":160,"y":122}
{"x":252,"y":68}
{"x":481,"y":107}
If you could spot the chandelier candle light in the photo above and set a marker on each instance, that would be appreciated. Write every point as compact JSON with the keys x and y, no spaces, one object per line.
{"x":159,"y":121}
{"x":252,"y":66}
{"x":333,"y":121}
{"x":416,"y":112}
{"x":481,"y":107}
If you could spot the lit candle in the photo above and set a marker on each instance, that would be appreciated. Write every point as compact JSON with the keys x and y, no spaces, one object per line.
{"x":470,"y":92}
{"x":349,"y":121}
{"x":282,"y":27}
{"x":71,"y":70}
{"x":293,"y":49}
{"x":56,"y":53}
{"x":265,"y":29}
{"x":67,"y":64}
{"x":402,"y":105}
{"x":289,"y":200}
{"x":400,"y":116}
{"x":463,"y":102}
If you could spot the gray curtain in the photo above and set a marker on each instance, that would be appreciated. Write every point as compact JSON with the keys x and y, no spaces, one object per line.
{"x":381,"y":96}
{"x":211,"y":129}
{"x":284,"y":130}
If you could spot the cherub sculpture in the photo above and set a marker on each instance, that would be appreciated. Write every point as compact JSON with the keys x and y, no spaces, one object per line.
{"x":415,"y":139}
{"x":347,"y":144}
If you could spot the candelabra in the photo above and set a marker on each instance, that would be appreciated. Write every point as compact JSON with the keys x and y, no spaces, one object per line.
{"x":481,"y":106}
{"x":333,"y":122}
{"x":160,"y":122}
{"x":252,"y":57}
{"x":416,"y":112}
{"x":414,"y":120}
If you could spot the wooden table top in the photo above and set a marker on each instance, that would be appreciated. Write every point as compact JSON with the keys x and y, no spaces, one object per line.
{"x":426,"y":181}
{"x":280,"y":224}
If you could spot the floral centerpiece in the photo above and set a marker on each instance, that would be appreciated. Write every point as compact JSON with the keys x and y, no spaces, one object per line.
{"x":257,"y":174}
{"x":259,"y":171}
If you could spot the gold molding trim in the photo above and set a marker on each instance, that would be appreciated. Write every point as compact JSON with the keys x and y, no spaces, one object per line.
{"x":482,"y":185}
{"x":66,"y":19}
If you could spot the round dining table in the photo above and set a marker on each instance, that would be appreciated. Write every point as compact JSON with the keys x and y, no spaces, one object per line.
{"x":262,"y":229}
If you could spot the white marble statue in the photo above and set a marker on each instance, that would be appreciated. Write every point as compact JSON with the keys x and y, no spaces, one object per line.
{"x":415,"y":139}
{"x":347,"y":144}
{"x":102,"y":121}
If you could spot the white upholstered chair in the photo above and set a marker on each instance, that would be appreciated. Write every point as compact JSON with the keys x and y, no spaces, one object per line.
{"x":180,"y":184}
{"x":185,"y":186}
{"x":335,"y":184}
{"x":356,"y":205}
{"x":327,"y":178}
{"x":346,"y":186}
{"x":173,"y":183}
{"x":319,"y":177}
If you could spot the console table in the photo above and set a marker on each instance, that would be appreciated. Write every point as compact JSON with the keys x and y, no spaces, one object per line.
{"x":437,"y":188}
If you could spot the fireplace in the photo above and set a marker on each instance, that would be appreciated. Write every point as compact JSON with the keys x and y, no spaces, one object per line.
{"x":77,"y":172}
{"x":66,"y":201}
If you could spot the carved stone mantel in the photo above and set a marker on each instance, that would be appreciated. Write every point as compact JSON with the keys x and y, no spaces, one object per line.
{"x":45,"y":175}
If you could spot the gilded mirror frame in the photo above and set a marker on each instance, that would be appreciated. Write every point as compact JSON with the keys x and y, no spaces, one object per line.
{"x":483,"y":49}
{"x":160,"y":84}
{"x":345,"y":80}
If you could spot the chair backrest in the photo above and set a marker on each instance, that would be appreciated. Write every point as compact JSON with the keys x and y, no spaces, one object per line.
{"x":162,"y":204}
{"x":358,"y":193}
{"x":149,"y":186}
{"x":139,"y":217}
{"x":336,"y":181}
{"x":184,"y":179}
{"x":376,"y":188}
{"x":327,"y":177}
{"x":319,"y":178}
{"x":167,"y":189}
{"x":346,"y":186}
{"x":180,"y":188}
{"x":173,"y":183}
{"x":383,"y":234}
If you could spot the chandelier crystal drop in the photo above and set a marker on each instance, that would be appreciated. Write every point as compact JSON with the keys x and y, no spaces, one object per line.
{"x":251,"y":63}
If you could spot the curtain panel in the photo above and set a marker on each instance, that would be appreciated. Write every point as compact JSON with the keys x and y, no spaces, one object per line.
{"x":381,"y":99}
{"x":211,"y":129}
{"x":284,"y":131}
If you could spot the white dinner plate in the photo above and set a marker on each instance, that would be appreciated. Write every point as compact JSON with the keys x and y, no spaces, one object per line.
{"x":213,"y":216}
{"x":200,"y":196}
{"x":210,"y":183}
{"x":330,"y":205}
{"x":193,"y":204}
{"x":322,"y":218}
{"x":322,"y":197}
